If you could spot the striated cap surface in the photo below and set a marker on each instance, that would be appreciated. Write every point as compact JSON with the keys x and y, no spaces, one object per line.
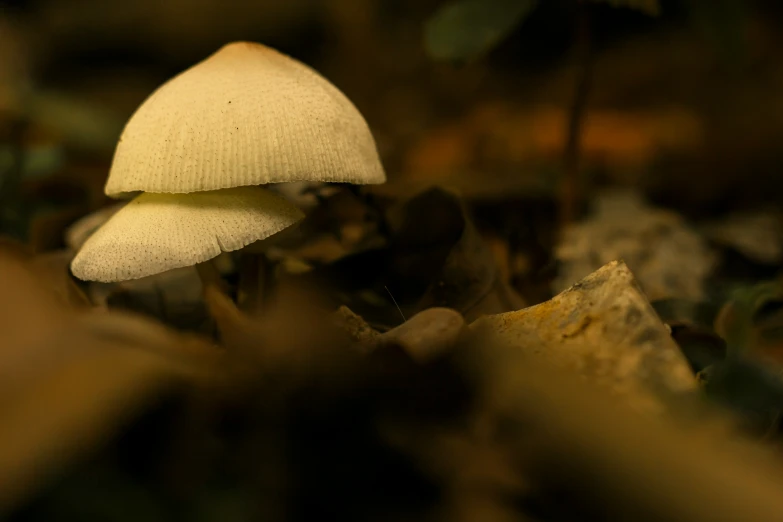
{"x":246,"y":115}
{"x":154,"y":233}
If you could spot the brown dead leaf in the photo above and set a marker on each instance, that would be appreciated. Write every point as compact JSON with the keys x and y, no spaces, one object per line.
{"x":343,"y":223}
{"x":605,"y":328}
{"x":69,"y":379}
{"x":468,"y":278}
{"x":325,"y":248}
{"x":293,"y":336}
{"x":620,"y":463}
{"x":435,"y":258}
{"x":357,"y":328}
{"x":53,"y":268}
{"x":424,"y":337}
{"x":757,"y":235}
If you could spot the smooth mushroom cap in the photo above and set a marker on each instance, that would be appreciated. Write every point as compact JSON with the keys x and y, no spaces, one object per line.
{"x":246,"y":115}
{"x":154,"y":233}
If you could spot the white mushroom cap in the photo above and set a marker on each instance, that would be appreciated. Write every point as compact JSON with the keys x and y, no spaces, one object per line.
{"x":246,"y":115}
{"x":158,"y":232}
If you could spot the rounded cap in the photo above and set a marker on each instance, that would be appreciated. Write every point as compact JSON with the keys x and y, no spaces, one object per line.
{"x":154,"y":233}
{"x":246,"y":115}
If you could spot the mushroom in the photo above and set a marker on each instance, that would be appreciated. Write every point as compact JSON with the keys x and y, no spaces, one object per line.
{"x":246,"y":115}
{"x":196,"y":147}
{"x":154,"y":233}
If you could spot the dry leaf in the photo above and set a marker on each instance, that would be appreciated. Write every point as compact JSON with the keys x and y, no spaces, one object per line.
{"x":621,"y":465}
{"x":53,"y":269}
{"x":435,"y":258}
{"x":357,"y":328}
{"x":69,"y":379}
{"x":668,"y":258}
{"x":426,"y":336}
{"x":756,"y":235}
{"x":293,"y":336}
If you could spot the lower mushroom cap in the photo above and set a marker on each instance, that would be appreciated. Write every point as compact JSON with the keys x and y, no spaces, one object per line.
{"x":158,"y":232}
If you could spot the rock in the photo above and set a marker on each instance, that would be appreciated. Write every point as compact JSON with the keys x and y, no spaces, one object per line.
{"x":605,"y":328}
{"x":428,"y":334}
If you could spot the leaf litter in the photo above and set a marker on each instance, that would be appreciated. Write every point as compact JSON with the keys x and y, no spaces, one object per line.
{"x":401,"y":354}
{"x":422,"y":379}
{"x":71,"y":377}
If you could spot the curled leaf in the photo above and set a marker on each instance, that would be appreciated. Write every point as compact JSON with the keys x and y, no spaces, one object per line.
{"x":436,"y":258}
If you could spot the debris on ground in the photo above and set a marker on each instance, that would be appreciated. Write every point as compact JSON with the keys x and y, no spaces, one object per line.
{"x":669,"y":259}
{"x":604,"y":328}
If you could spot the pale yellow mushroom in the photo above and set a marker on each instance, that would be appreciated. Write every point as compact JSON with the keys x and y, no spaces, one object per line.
{"x":246,"y":115}
{"x":155,"y":233}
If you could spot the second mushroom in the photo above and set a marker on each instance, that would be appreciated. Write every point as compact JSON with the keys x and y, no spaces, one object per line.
{"x":200,"y":145}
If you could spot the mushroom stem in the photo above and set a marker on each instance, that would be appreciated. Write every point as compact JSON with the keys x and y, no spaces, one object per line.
{"x":253,"y":281}
{"x":221,"y":307}
{"x":570,"y":190}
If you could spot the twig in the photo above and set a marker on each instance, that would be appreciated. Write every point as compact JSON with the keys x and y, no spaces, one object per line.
{"x":395,"y":303}
{"x":570,"y":189}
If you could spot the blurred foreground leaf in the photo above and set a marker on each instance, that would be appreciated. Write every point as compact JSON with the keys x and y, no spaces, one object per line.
{"x":67,"y":379}
{"x":621,"y":465}
{"x":466,"y":29}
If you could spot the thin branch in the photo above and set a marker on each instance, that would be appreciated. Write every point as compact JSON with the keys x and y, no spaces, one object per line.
{"x":570,"y":194}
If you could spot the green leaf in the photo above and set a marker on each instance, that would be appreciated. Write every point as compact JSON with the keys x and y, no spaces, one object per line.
{"x":749,"y":387}
{"x":746,"y":313}
{"x":466,"y":29}
{"x":650,"y":7}
{"x":723,"y":23}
